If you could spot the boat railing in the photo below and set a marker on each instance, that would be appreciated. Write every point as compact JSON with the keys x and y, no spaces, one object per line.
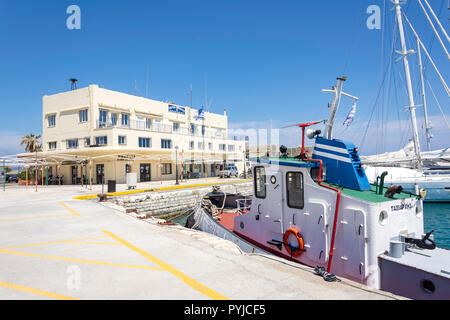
{"x":243,"y":205}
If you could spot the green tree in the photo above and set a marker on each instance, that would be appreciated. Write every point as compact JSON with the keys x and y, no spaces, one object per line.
{"x":31,"y":143}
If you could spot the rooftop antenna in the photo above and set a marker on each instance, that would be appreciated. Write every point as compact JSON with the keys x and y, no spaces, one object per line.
{"x":73,"y":86}
{"x":146,"y":85}
{"x":206,"y":94}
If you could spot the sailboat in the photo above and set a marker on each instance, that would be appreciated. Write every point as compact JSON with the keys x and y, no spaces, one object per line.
{"x":410,"y":168}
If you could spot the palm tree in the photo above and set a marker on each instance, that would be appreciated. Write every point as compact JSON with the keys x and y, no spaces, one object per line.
{"x":32,"y":144}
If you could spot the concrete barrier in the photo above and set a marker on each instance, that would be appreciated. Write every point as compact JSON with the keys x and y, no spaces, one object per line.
{"x":164,"y":203}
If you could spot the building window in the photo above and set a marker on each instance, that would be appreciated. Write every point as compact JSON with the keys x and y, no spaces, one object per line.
{"x":222,"y":147}
{"x":140,"y":123}
{"x":148,"y":123}
{"x":157,"y":124}
{"x":87,"y":142}
{"x":219,"y":132}
{"x":145,"y":142}
{"x":230,"y":148}
{"x":127,"y":168}
{"x":203,"y":130}
{"x":295,"y":196}
{"x":193,"y":130}
{"x":101,"y":141}
{"x":260,"y":182}
{"x":72,"y":144}
{"x":166,"y":144}
{"x":200,"y":146}
{"x":176,"y":126}
{"x":51,"y":120}
{"x":191,"y":145}
{"x":52,"y":145}
{"x":83,"y":115}
{"x":210,"y":146}
{"x":125,"y":120}
{"x":166,"y":168}
{"x":102,"y":118}
{"x":113,"y":119}
{"x":122,"y":140}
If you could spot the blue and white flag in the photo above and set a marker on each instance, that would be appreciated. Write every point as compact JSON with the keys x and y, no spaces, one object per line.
{"x":201,"y":114}
{"x":350,"y":116}
{"x":177,"y":109}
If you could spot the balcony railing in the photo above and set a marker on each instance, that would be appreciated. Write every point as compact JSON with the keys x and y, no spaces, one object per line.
{"x":166,"y":128}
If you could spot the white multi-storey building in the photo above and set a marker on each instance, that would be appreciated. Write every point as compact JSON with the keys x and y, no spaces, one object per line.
{"x":97,"y":135}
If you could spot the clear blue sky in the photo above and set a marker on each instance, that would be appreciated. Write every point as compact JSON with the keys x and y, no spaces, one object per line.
{"x":261,"y":60}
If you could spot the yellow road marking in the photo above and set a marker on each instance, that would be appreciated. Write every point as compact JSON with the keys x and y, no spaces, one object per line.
{"x":37,"y":217}
{"x":71,"y":210}
{"x":99,"y":243}
{"x":189,"y":281}
{"x":36,"y":291}
{"x":93,"y":196}
{"x":53,"y":242}
{"x":80,"y":260}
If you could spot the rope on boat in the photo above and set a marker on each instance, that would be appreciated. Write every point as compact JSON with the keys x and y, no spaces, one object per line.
{"x":329,"y":277}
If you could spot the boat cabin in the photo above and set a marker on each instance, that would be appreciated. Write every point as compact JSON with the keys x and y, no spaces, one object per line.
{"x":323,"y":212}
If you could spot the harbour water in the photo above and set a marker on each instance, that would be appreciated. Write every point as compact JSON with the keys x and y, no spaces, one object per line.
{"x":436,"y":216}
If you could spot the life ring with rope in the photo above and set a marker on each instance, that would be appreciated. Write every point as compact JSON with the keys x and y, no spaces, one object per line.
{"x":295,"y":252}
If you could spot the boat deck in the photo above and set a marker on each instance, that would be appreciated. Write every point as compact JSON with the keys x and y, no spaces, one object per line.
{"x":371,"y":195}
{"x":227,"y":220}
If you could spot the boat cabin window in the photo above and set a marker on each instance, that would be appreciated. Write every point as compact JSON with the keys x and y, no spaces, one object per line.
{"x":260,"y":182}
{"x":295,"y":195}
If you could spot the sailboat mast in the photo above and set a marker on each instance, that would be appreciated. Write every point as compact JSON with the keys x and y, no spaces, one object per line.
{"x":412,"y":106}
{"x":424,"y":99}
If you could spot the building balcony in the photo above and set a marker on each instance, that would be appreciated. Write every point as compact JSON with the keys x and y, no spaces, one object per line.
{"x":166,"y":128}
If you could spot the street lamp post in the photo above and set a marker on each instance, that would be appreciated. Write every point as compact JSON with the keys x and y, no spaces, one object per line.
{"x":176,"y":165}
{"x":245,"y":170}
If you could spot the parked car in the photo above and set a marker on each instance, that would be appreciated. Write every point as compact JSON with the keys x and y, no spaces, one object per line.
{"x":12,"y":178}
{"x":228,"y":171}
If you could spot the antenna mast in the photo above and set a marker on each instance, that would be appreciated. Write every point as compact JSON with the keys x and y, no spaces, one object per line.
{"x":334,"y":106}
{"x":412,"y":107}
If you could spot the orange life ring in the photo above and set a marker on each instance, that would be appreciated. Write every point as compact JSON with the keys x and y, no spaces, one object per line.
{"x":301,"y":245}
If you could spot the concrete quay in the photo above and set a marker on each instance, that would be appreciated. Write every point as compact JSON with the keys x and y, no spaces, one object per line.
{"x":55,"y":247}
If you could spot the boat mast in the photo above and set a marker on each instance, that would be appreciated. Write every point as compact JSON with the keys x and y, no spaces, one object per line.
{"x":337,"y":90}
{"x":412,"y":107}
{"x":428,"y":125}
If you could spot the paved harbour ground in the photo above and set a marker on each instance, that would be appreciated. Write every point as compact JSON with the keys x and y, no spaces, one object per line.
{"x":55,"y":247}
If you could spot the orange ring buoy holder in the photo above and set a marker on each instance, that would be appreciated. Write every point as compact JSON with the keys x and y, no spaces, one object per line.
{"x":296,"y":253}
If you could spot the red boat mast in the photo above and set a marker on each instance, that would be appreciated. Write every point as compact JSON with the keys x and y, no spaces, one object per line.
{"x":303,"y":126}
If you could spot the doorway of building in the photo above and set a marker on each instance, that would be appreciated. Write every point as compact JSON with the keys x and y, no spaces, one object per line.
{"x":74,"y":174}
{"x":100,"y":170}
{"x":145,"y":172}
